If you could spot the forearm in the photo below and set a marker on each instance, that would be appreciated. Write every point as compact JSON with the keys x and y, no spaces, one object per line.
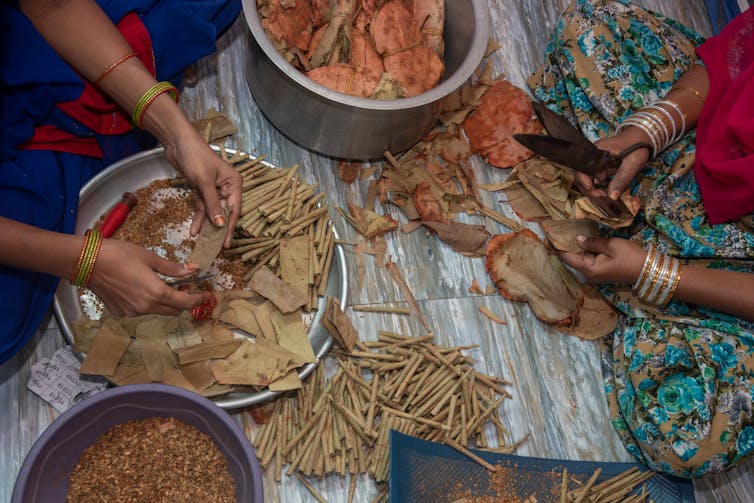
{"x":31,"y":248}
{"x":726,"y":291}
{"x":682,"y":93}
{"x":82,"y":34}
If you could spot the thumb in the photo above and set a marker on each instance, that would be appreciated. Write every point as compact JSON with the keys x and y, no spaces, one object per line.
{"x":215,"y":210}
{"x":168,"y":268}
{"x":592,"y":245}
{"x":618,"y":184}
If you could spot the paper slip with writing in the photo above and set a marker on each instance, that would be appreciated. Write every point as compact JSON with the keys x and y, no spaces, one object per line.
{"x":57,"y":381}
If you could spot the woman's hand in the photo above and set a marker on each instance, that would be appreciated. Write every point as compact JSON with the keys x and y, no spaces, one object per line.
{"x":602,"y":184}
{"x":218,"y":183}
{"x":607,"y":260}
{"x":125,"y":279}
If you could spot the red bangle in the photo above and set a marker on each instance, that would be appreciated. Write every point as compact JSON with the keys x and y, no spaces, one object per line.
{"x":113,"y":67}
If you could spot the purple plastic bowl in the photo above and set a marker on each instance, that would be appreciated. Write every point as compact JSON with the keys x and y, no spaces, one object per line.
{"x":43,"y":477}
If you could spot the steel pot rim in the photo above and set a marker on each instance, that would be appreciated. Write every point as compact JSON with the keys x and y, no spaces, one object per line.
{"x":451,"y":83}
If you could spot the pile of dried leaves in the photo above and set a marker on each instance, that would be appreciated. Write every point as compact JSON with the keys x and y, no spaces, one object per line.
{"x":383,"y":49}
{"x":433,"y":183}
{"x":286,"y":241}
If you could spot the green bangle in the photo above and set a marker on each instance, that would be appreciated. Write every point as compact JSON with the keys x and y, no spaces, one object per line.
{"x":89,"y":254}
{"x":148,"y":97}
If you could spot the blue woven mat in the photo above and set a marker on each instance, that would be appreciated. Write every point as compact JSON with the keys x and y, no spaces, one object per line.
{"x":422,"y":471}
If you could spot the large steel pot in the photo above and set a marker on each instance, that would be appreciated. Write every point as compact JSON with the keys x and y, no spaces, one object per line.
{"x":348,"y":127}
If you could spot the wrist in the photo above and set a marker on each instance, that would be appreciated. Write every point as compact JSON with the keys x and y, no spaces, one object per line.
{"x":166,"y":121}
{"x":628,"y":136}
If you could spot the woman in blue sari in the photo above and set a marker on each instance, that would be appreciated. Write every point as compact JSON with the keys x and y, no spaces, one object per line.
{"x":74,"y":77}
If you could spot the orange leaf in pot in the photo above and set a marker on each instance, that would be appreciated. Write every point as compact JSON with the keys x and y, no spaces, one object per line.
{"x":418,"y":69}
{"x":356,"y":81}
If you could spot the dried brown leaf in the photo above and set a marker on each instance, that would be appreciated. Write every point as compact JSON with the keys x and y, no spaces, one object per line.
{"x":267,"y":284}
{"x":461,"y":237}
{"x":597,"y":317}
{"x":504,"y":110}
{"x":524,"y":270}
{"x":562,"y":233}
{"x":106,"y":350}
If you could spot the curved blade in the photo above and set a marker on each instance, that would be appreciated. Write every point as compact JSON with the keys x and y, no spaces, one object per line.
{"x":559,"y":127}
{"x":613,"y":209}
{"x":579,"y":157}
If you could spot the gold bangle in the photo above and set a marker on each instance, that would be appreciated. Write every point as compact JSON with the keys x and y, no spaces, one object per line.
{"x":693,"y":91}
{"x":674,"y":284}
{"x":148,"y":97}
{"x":76,"y":271}
{"x":646,"y":285}
{"x":664,"y":278}
{"x":85,"y":264}
{"x":89,"y":252}
{"x":113,"y":67}
{"x":93,"y":260}
{"x":645,"y":268}
{"x":654,"y":278}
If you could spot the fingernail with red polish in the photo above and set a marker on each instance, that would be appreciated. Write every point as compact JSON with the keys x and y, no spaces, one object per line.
{"x":218,"y":220}
{"x":190,"y":266}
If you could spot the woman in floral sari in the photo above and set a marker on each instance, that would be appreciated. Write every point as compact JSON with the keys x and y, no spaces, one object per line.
{"x":679,"y":373}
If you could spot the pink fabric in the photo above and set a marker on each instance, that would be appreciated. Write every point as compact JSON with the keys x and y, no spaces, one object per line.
{"x":725,"y":131}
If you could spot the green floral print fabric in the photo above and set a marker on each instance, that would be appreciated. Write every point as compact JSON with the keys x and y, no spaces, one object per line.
{"x":679,"y":380}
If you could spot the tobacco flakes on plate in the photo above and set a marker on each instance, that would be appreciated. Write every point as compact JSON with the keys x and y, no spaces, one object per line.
{"x":284,"y":241}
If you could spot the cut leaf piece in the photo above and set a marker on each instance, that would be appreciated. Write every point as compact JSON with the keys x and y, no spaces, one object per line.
{"x":465,"y":238}
{"x":267,"y":284}
{"x":597,"y":317}
{"x":524,"y":270}
{"x":562,"y":233}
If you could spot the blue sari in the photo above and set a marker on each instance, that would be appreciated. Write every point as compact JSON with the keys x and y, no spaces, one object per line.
{"x":41,"y":187}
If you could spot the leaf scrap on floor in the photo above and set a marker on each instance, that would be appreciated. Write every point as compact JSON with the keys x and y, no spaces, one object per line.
{"x":349,"y":171}
{"x":368,"y":223}
{"x":395,"y":273}
{"x":339,"y":325}
{"x":215,"y":126}
{"x":464,"y":238}
{"x":491,"y":316}
{"x":377,"y":248}
{"x":475,"y":288}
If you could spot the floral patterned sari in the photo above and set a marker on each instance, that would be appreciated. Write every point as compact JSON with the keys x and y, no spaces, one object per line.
{"x":679,"y":380}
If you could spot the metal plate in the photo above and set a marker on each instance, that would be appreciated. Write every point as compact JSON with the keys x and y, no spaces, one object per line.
{"x":130,"y":174}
